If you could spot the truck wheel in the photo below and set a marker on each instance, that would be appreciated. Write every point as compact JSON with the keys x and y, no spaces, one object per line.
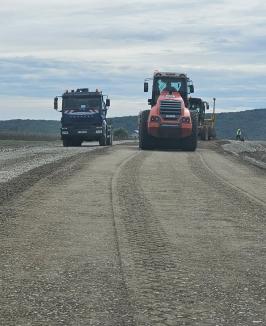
{"x":109,"y":140}
{"x":145,"y":140}
{"x":102,"y":140}
{"x":65,"y":142}
{"x":77,"y":143}
{"x":190,"y":143}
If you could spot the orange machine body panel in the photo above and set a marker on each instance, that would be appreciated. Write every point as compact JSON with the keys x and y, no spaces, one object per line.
{"x":169,"y":117}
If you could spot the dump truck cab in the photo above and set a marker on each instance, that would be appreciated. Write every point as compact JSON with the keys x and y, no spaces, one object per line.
{"x":84,"y":117}
{"x":169,"y":116}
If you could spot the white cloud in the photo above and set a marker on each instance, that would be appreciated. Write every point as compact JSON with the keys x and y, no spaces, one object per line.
{"x":23,"y":107}
{"x":48,"y":46}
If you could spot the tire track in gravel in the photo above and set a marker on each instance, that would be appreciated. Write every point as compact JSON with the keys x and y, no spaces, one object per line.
{"x":117,"y":235}
{"x":190,"y":255}
{"x":145,"y":250}
{"x":219,"y":184}
{"x":233,"y":187}
{"x":234,"y":223}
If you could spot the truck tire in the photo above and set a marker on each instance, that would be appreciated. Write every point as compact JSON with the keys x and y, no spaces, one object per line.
{"x":77,"y":143}
{"x":145,"y":140}
{"x":65,"y":142}
{"x":103,"y":139}
{"x":190,"y":143}
{"x":109,"y":141}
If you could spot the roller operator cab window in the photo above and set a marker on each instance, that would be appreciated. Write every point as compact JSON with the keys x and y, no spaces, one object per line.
{"x":170,"y":84}
{"x":82,"y":104}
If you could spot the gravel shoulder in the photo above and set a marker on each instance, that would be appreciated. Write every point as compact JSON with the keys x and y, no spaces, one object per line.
{"x":23,"y":163}
{"x":253,"y":152}
{"x":17,"y":158}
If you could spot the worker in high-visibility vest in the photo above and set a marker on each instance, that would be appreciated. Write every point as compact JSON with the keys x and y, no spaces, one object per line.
{"x":238,"y":134}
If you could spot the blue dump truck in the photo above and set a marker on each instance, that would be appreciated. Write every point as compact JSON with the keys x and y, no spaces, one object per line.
{"x":84,"y":117}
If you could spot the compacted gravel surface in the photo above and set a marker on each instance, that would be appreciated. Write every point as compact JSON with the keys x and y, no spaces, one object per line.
{"x":117,"y":236}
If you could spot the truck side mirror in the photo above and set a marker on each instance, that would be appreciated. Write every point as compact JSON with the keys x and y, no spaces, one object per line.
{"x":146,"y":87}
{"x":191,"y":88}
{"x":107,"y":102}
{"x":150,"y":101}
{"x":56,"y":103}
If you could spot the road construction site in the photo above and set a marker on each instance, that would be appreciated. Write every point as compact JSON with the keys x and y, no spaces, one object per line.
{"x":118,"y":236}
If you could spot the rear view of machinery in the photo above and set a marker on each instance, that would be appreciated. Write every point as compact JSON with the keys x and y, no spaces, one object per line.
{"x":84,"y":117}
{"x":169,"y":121}
{"x":206,"y":122}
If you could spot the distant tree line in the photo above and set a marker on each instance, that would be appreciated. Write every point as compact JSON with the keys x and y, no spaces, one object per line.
{"x":251,"y":122}
{"x":120,"y":134}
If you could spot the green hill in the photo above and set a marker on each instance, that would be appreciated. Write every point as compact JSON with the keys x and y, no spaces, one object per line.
{"x":50,"y":127}
{"x":252,"y":123}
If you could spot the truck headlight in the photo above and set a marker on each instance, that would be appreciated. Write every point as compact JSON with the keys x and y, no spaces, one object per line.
{"x":64,"y":131}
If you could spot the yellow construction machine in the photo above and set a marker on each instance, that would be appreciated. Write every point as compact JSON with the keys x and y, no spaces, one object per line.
{"x":206,"y":123}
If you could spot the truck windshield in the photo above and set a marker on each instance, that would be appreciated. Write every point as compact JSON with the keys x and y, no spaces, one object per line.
{"x":82,"y":103}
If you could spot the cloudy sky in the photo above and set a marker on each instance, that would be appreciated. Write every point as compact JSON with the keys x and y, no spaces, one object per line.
{"x":49,"y":46}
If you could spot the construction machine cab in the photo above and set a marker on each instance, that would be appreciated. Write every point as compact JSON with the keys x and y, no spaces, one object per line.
{"x":169,"y":121}
{"x":200,"y":106}
{"x":170,"y":82}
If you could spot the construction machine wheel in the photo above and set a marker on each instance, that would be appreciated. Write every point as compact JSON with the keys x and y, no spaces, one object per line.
{"x":204,"y":133}
{"x":190,"y":143}
{"x":145,"y":140}
{"x":212,"y":133}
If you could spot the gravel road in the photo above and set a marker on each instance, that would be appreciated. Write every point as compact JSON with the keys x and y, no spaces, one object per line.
{"x":117,"y":236}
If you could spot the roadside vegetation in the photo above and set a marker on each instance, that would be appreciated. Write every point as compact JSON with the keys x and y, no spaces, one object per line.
{"x":28,"y":136}
{"x":120,"y":134}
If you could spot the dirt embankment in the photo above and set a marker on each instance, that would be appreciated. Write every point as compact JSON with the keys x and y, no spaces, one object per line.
{"x":253,"y":152}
